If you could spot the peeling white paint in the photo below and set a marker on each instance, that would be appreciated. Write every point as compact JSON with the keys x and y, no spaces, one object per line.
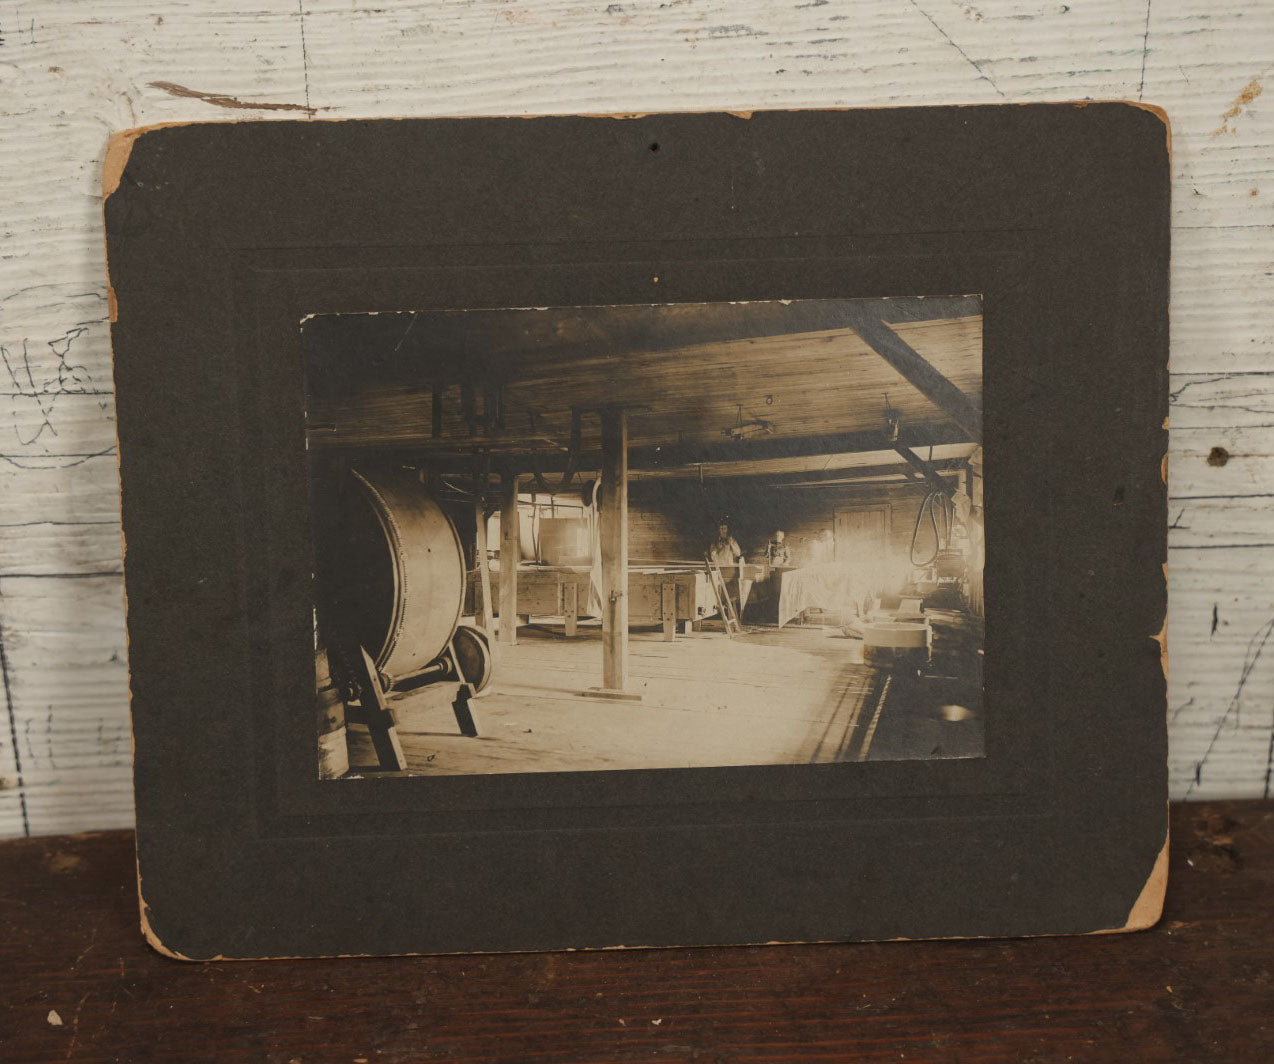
{"x":70,"y":80}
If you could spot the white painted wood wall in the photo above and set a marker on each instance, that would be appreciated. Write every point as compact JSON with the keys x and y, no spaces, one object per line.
{"x":72,"y":73}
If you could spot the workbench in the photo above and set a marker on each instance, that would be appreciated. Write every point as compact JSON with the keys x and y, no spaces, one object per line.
{"x":672,"y":596}
{"x":77,"y":983}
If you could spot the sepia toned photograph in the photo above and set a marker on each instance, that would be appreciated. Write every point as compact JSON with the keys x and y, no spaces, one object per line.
{"x":565,"y":539}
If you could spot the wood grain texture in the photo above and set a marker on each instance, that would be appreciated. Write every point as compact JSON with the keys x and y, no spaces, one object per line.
{"x":1195,"y":988}
{"x":820,"y":383}
{"x":70,"y":75}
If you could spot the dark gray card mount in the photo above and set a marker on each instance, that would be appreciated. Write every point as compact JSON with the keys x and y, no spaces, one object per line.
{"x":222,"y":238}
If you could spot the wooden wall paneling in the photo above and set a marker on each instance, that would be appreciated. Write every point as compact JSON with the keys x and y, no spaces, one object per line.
{"x":667,"y":522}
{"x":70,"y":80}
{"x":64,"y":658}
{"x":59,"y":515}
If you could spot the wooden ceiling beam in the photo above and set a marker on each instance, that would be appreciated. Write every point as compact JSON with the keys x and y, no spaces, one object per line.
{"x":928,"y":469}
{"x":922,"y":376}
{"x":811,"y":477}
{"x":686,"y":456}
{"x":851,"y":473}
{"x":483,"y":347}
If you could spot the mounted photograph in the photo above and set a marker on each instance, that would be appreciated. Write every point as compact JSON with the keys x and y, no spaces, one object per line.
{"x":774,"y":524}
{"x":597,"y":538}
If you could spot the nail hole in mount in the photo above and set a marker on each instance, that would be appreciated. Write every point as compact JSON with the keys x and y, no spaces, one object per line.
{"x":654,"y":146}
{"x":1218,"y":456}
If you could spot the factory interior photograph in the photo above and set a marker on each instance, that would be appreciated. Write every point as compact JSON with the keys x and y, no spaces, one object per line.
{"x":655,"y":536}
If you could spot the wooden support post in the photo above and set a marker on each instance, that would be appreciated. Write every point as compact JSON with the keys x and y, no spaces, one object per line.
{"x":668,"y":610}
{"x":484,"y":614}
{"x":570,"y":606}
{"x":510,"y":555}
{"x":614,"y":545}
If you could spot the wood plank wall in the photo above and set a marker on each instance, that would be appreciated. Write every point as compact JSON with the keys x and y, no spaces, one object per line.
{"x":71,"y":79}
{"x":667,"y":522}
{"x":813,"y":509}
{"x":671,"y":520}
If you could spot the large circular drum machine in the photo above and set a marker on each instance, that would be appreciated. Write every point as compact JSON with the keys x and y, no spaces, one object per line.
{"x":400,"y":572}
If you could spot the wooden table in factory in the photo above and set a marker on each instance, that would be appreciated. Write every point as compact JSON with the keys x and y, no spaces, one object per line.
{"x":674,"y":595}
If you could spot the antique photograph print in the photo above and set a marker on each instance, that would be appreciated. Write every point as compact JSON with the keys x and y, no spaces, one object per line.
{"x":563,"y":539}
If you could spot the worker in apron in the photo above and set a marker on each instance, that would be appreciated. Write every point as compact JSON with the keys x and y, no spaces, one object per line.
{"x":776,"y":553}
{"x":727,"y":556}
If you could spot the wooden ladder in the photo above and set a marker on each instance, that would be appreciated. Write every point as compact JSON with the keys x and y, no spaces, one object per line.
{"x":725,"y":605}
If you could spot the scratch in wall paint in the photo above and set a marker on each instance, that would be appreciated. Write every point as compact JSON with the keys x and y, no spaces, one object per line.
{"x":220,"y":100}
{"x":1255,"y":647}
{"x":1145,"y":50}
{"x":735,"y":30}
{"x":1269,"y":761}
{"x":305,"y":55}
{"x":1255,"y":399}
{"x":53,"y":461}
{"x":13,"y":734}
{"x":1182,"y":708}
{"x":28,"y":390}
{"x":67,"y":378}
{"x":981,"y":73}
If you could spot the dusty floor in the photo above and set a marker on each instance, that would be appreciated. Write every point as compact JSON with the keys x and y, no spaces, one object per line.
{"x":795,"y":696}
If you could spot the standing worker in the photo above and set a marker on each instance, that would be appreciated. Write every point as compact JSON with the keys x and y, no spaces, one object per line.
{"x":726,"y":555}
{"x":776,"y":553}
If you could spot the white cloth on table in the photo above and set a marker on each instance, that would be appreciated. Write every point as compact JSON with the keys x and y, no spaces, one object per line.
{"x":820,"y":552}
{"x":823,"y":585}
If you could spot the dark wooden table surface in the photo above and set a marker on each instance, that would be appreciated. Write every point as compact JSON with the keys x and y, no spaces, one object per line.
{"x":78,"y":983}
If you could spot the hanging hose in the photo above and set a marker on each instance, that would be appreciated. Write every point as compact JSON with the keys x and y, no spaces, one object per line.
{"x":931,"y":502}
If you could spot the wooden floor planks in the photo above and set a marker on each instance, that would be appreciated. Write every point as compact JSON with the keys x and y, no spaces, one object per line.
{"x":790,"y":696}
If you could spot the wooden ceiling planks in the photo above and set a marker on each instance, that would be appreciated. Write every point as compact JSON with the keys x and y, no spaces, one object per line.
{"x":847,"y":461}
{"x":821,"y":382}
{"x":452,"y":345}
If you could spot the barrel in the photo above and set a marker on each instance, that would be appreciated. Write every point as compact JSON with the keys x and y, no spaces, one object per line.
{"x":565,"y":541}
{"x":403,"y":573}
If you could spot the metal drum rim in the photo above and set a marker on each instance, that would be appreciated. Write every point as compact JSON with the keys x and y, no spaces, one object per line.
{"x":402,"y":589}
